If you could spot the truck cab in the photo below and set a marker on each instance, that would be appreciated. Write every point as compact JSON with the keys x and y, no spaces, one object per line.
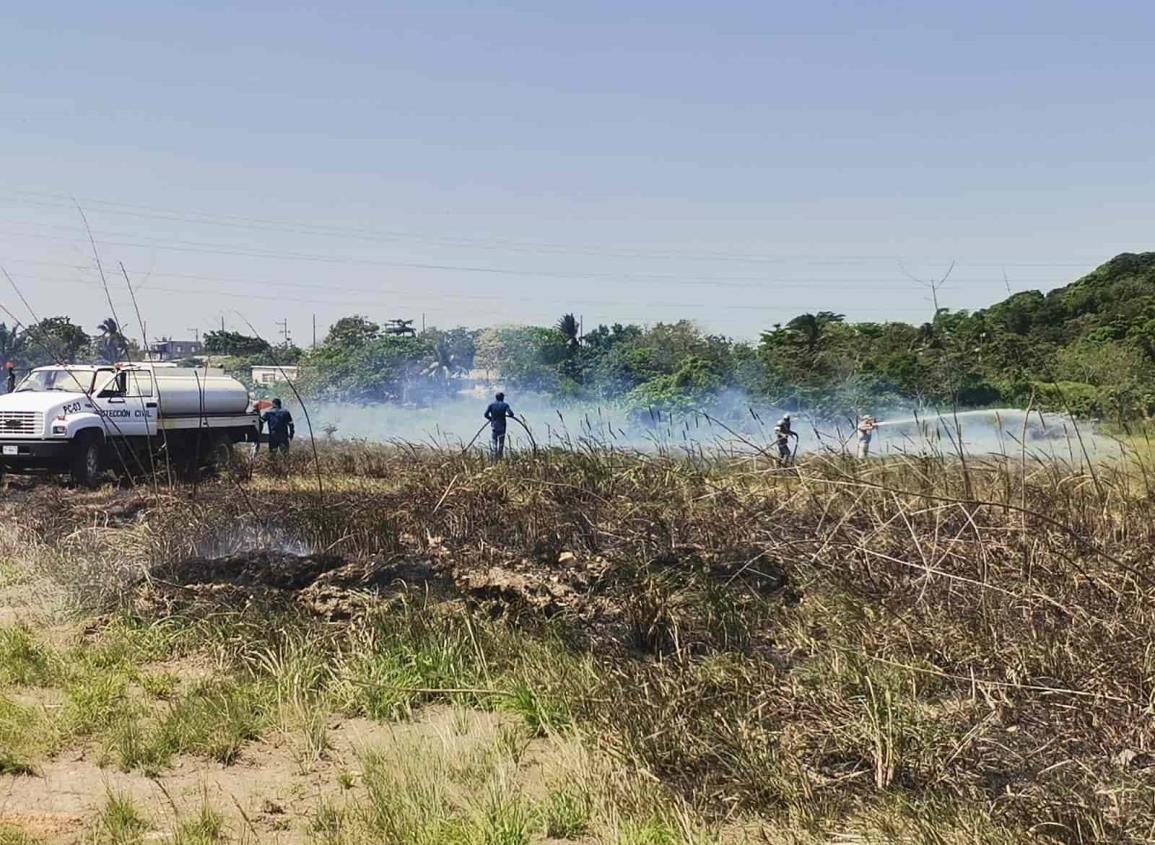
{"x":83,"y":418}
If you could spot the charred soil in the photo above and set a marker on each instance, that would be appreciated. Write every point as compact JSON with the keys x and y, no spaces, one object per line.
{"x":902,"y":649}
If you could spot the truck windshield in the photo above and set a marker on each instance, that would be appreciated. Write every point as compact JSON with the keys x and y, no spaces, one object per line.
{"x":68,"y":381}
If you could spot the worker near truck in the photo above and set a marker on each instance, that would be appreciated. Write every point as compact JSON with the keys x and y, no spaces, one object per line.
{"x":10,"y":372}
{"x":782,"y":434}
{"x":281,"y":429}
{"x":497,"y":413}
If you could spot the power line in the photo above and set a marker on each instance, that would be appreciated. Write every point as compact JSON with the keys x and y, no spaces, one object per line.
{"x":203,"y":248}
{"x":805,"y":283}
{"x":560,"y":301}
{"x":755,"y":283}
{"x":233,"y":221}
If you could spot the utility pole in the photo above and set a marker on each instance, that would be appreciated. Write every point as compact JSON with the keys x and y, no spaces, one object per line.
{"x":284,"y":324}
{"x":932,"y":285}
{"x":422,"y":322}
{"x":222,"y":323}
{"x":314,"y":331}
{"x":196,"y":334}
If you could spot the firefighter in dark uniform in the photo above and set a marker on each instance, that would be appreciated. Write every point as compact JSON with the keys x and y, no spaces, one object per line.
{"x":281,"y":429}
{"x":496,"y":413}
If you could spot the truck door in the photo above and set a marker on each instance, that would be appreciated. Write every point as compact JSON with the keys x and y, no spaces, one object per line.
{"x":127,"y":402}
{"x":141,"y":396}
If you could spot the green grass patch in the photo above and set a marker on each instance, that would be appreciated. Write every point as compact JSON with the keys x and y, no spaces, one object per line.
{"x":137,"y":744}
{"x":24,"y":661}
{"x":379,"y":685}
{"x":217,"y":719}
{"x":544,"y":712}
{"x":134,"y":640}
{"x":329,"y":825}
{"x":504,"y":819}
{"x":658,"y":831}
{"x":161,"y":685}
{"x":407,"y":800}
{"x":120,"y":822}
{"x":11,"y":835}
{"x":214,"y":720}
{"x":96,"y":701}
{"x":142,"y":718}
{"x":25,"y":737}
{"x":403,"y":662}
{"x":567,"y":813}
{"x":206,"y":828}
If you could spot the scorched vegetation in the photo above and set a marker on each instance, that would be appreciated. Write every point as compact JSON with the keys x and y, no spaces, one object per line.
{"x":590,"y":647}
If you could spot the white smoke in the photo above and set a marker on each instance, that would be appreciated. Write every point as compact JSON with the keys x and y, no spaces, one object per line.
{"x":731,"y":423}
{"x":453,"y":422}
{"x":988,"y":431}
{"x":246,"y":536}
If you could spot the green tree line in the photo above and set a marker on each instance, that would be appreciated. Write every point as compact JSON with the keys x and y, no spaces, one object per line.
{"x":58,"y":339}
{"x":1088,"y":347}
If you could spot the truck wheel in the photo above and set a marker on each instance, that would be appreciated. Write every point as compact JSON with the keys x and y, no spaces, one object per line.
{"x":86,"y":461}
{"x":221,"y":455}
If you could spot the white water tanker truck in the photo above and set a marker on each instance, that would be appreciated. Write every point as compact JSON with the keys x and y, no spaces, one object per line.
{"x":83,"y":419}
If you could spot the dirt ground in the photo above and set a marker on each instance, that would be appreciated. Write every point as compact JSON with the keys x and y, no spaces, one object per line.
{"x":268,"y":793}
{"x":266,"y":789}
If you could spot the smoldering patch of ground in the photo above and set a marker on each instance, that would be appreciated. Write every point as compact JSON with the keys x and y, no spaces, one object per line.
{"x":205,"y":548}
{"x":587,"y":591}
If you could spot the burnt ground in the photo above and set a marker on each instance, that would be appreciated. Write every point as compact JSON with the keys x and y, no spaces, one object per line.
{"x":239,"y":559}
{"x":972,"y":638}
{"x":600,"y":605}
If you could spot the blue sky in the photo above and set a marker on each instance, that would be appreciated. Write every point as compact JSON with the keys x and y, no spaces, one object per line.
{"x":485,"y":163}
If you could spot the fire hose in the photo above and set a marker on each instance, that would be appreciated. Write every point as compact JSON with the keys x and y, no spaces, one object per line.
{"x":469,"y":445}
{"x":532,"y":439}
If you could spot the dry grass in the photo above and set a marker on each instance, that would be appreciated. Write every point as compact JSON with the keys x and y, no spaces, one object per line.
{"x":921,"y":649}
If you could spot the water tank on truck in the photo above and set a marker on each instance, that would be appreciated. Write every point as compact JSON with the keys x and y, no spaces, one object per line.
{"x":181,"y":392}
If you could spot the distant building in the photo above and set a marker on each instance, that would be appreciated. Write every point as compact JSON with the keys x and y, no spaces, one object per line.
{"x":273,"y":374}
{"x":170,"y":350}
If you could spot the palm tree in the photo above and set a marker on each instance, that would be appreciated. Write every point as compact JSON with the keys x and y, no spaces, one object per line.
{"x":571,"y":329}
{"x":112,"y":340}
{"x":810,"y":327}
{"x":443,"y":363}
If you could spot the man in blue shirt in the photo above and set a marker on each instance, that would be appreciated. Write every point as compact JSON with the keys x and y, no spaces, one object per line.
{"x":281,"y":430}
{"x":496,"y":413}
